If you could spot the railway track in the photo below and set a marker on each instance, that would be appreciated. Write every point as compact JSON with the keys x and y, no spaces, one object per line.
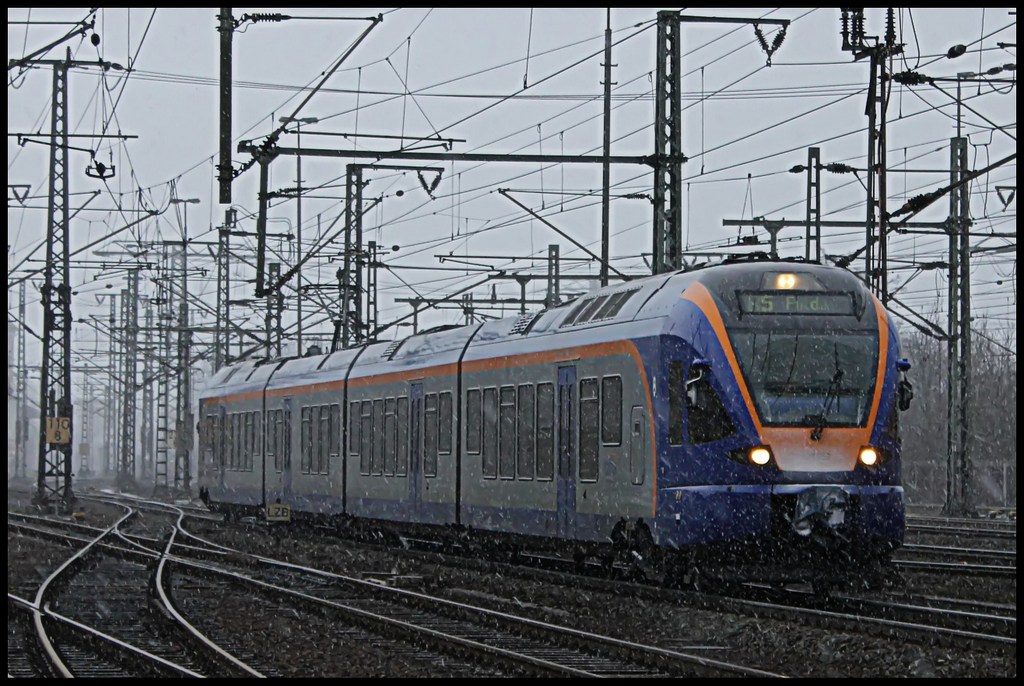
{"x":950,"y":625}
{"x":905,"y":618}
{"x":517,"y":644}
{"x":92,"y":616}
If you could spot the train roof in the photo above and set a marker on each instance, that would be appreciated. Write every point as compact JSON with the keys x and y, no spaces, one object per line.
{"x":634,"y":308}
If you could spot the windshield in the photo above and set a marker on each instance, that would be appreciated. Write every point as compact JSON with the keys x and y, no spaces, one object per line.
{"x":809,"y":379}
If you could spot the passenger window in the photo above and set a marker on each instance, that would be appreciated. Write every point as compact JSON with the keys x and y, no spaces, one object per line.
{"x":377,"y":459}
{"x":335,"y":433}
{"x":507,"y":430}
{"x":588,"y":433}
{"x":272,"y":453}
{"x":365,"y":436}
{"x":611,"y":410}
{"x":247,"y":454}
{"x":286,"y":436}
{"x":257,"y":436}
{"x":390,"y":432}
{"x":322,"y":456}
{"x":490,"y":433}
{"x":305,"y":447}
{"x":353,"y":428}
{"x":473,"y":412}
{"x":526,"y":445}
{"x":430,"y":435}
{"x":444,"y":423}
{"x":402,"y":468}
{"x":708,"y":419}
{"x":545,"y":431}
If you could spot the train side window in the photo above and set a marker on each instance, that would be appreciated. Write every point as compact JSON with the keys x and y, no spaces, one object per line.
{"x":257,"y":437}
{"x":225,"y":441}
{"x":306,"y":434}
{"x":271,"y":452}
{"x":708,"y":419}
{"x":214,"y":437}
{"x":239,"y":445}
{"x":256,"y":442}
{"x":473,"y":412}
{"x":247,"y":440}
{"x":527,"y":445}
{"x":243,"y":438}
{"x":545,"y":431}
{"x":232,"y":437}
{"x":365,"y":436}
{"x":377,"y":459}
{"x":246,"y":454}
{"x":892,"y":427}
{"x":611,"y":410}
{"x":402,"y":468}
{"x":316,"y":431}
{"x":222,"y":441}
{"x":202,"y":430}
{"x":490,"y":433}
{"x":444,"y":423}
{"x":282,"y":440}
{"x":507,"y":431}
{"x":246,"y":420}
{"x":390,"y":453}
{"x":286,"y":435}
{"x":229,"y":441}
{"x":335,"y":451}
{"x":589,"y":418}
{"x":353,"y":428}
{"x":324,"y":460}
{"x":676,"y":394}
{"x":430,"y":435}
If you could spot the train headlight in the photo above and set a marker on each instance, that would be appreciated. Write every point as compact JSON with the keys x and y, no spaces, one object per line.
{"x":785,"y":281}
{"x":868,"y":456}
{"x":760,"y":455}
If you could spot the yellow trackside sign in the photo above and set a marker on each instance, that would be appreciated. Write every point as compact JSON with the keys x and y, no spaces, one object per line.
{"x":279,"y":512}
{"x":58,"y":430}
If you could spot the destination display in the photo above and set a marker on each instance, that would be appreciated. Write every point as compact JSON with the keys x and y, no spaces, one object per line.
{"x":788,"y":302}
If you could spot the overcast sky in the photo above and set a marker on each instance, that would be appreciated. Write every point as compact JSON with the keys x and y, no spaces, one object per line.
{"x":460,"y":74}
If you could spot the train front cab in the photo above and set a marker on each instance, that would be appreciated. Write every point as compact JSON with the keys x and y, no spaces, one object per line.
{"x":771,"y":420}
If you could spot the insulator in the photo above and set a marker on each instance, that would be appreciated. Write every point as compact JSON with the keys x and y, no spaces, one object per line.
{"x":858,"y":26}
{"x":910,"y":78}
{"x":838,"y":168}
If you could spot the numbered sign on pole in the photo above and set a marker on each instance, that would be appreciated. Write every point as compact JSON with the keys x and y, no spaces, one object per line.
{"x":58,"y":430}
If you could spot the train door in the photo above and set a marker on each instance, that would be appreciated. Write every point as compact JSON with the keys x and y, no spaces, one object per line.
{"x":566,"y":477}
{"x":637,"y":445}
{"x":286,"y":453}
{"x":416,"y":448}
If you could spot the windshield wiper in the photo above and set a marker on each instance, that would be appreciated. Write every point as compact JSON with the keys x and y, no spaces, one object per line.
{"x":831,"y":394}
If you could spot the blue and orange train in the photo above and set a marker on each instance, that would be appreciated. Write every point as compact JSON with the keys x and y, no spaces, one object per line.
{"x":740,"y":414}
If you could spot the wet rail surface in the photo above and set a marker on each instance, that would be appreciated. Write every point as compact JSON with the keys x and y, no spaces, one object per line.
{"x":500,"y":636}
{"x":153,"y":534}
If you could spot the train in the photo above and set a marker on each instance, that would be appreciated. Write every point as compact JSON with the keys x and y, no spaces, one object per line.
{"x":739,"y":420}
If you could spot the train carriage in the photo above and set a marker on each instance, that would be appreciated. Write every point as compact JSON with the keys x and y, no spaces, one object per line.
{"x":736,"y":413}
